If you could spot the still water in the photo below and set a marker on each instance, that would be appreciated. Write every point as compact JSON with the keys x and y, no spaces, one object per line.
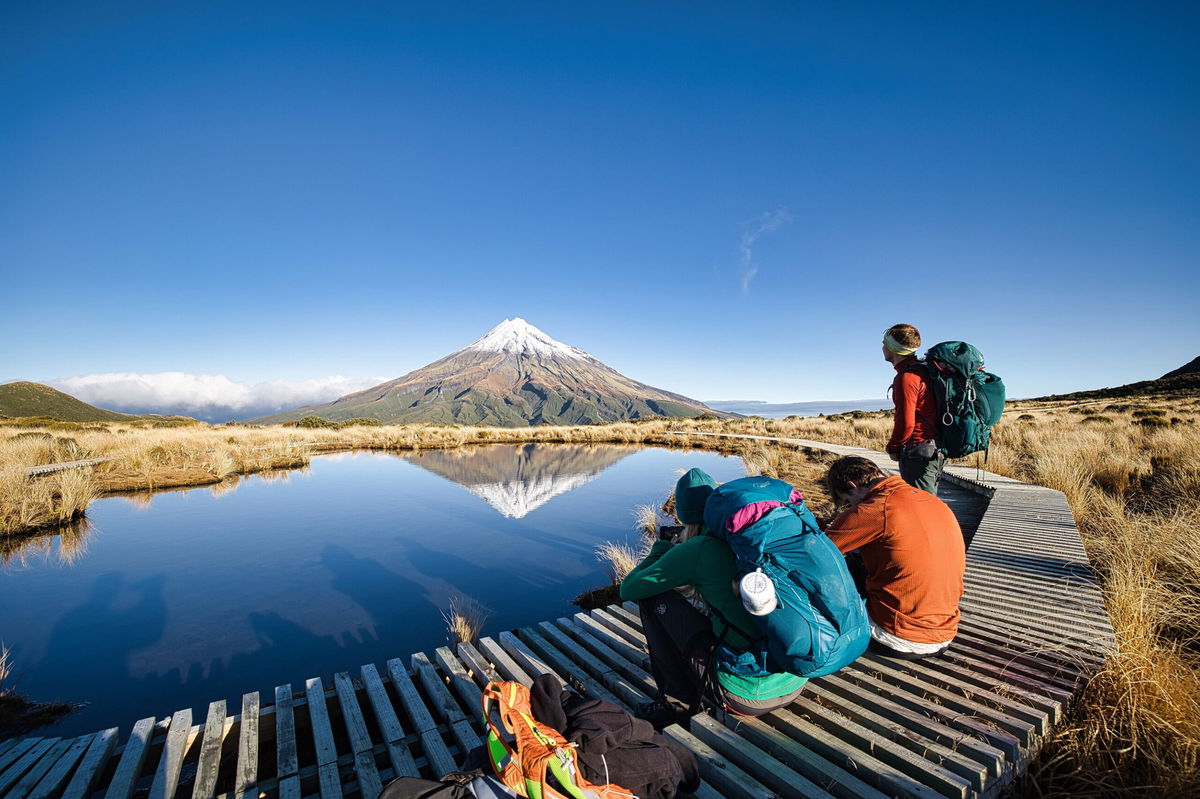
{"x":184,"y":597}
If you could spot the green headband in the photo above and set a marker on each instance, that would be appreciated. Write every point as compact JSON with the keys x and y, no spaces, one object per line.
{"x":895,"y":347}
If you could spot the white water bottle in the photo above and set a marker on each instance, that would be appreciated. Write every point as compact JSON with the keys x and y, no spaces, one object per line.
{"x":758,"y":593}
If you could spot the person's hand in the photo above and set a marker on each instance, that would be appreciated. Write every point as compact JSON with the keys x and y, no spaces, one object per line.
{"x":669,"y":533}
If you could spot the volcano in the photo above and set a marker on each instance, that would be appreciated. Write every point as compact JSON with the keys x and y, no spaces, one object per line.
{"x":515,"y":375}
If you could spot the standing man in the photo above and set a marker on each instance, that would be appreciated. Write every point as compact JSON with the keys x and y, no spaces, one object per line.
{"x":912,"y":552}
{"x":916,"y":419}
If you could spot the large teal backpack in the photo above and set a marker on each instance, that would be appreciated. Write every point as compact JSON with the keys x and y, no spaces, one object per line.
{"x":969,"y":399}
{"x":820,"y":624}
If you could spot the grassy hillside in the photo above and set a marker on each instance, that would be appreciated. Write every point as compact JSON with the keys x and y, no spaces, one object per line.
{"x":23,"y":399}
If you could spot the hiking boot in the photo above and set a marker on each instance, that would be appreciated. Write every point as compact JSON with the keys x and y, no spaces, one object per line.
{"x":660,"y":713}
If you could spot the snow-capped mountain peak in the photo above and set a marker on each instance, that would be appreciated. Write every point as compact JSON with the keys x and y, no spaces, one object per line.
{"x":518,"y":337}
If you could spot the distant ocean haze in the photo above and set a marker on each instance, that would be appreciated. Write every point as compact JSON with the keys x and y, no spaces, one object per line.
{"x":772,"y":410}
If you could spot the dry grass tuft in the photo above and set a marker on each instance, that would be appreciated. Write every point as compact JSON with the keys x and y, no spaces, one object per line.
{"x":464,"y":620}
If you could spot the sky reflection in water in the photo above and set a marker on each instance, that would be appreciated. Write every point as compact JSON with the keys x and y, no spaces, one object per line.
{"x":205,"y":594}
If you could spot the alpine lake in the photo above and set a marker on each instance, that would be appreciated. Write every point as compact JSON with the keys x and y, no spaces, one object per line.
{"x":178,"y":598}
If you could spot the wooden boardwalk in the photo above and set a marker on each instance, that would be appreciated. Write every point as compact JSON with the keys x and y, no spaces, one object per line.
{"x":961,"y":725}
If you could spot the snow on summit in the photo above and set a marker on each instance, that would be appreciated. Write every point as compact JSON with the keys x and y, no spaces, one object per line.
{"x":518,"y":337}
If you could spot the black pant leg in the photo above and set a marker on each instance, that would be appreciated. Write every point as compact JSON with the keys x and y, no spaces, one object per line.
{"x":675,"y":633}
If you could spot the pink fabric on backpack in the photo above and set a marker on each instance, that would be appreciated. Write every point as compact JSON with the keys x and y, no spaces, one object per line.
{"x":747,"y":515}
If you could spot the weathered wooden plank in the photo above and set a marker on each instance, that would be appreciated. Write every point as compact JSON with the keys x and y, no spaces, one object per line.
{"x":526,"y":657}
{"x":369,"y":783}
{"x":875,"y":709}
{"x":6,"y":745}
{"x":504,"y":664}
{"x":614,"y":641}
{"x":205,"y":786}
{"x":801,"y":760}
{"x":17,"y":751}
{"x":352,"y":715}
{"x":568,"y":669}
{"x":609,"y":657}
{"x":629,"y":694}
{"x":436,"y":751}
{"x":848,"y":736}
{"x":26,"y":761}
{"x":872,"y":769}
{"x":92,"y":765}
{"x":318,"y":715}
{"x":461,"y":682}
{"x":725,"y":777}
{"x":166,"y":779}
{"x":481,"y":670}
{"x":289,"y":787}
{"x":246,"y":779}
{"x":616,"y":625}
{"x":287,"y":762}
{"x":132,"y":760}
{"x":329,"y":781}
{"x":439,"y":696}
{"x":385,"y":716}
{"x":757,"y":763}
{"x":39,"y":769}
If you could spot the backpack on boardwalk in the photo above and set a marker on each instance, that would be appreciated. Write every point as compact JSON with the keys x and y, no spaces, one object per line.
{"x":969,"y":400}
{"x":530,"y":754}
{"x":820,"y":623}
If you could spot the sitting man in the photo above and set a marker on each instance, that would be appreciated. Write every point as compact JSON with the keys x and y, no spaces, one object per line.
{"x":913,"y":554}
{"x":680,"y":638}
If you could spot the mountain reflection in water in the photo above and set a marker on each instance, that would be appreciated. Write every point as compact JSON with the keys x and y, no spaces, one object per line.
{"x":518,"y":479}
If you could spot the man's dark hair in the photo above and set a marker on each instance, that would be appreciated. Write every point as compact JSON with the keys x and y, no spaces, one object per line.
{"x":850,"y":469}
{"x":905,"y":335}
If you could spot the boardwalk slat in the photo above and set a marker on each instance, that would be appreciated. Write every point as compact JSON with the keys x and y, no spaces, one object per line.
{"x":757,"y":763}
{"x":461,"y":682}
{"x":504,"y":664}
{"x":92,"y":765}
{"x":26,"y":761}
{"x":436,"y":751}
{"x":246,"y":780}
{"x":801,"y":759}
{"x":579,"y":679}
{"x":629,"y":694}
{"x":286,"y":760}
{"x":444,"y":705}
{"x":39,"y":769}
{"x":389,"y":725}
{"x":529,"y":661}
{"x":318,"y":715}
{"x":289,"y":787}
{"x":330,"y":781}
{"x":481,"y":670}
{"x":360,"y":740}
{"x":132,"y":760}
{"x":614,"y":641}
{"x":869,"y":768}
{"x":16,"y":751}
{"x":205,"y":786}
{"x":440,"y":698}
{"x":725,"y":777}
{"x":166,"y":779}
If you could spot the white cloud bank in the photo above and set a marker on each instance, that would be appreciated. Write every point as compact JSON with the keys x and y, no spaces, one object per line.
{"x":213,"y":398}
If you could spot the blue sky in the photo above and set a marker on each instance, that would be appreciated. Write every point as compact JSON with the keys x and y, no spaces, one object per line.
{"x":728,"y":200}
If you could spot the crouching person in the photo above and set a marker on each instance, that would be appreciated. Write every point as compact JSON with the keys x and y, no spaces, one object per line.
{"x":912,"y":553}
{"x":681,"y":639}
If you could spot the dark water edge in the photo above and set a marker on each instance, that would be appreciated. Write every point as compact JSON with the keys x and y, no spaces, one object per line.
{"x":183,"y":597}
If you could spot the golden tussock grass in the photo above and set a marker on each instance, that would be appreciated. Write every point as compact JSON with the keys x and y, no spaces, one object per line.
{"x":464,"y":620}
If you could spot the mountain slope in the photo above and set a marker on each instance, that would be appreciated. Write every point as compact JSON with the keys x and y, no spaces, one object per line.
{"x":514,"y":375}
{"x":34,"y":399}
{"x":1190,"y":368}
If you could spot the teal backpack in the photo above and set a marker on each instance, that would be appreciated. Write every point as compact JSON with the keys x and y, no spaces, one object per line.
{"x":969,"y":400}
{"x":820,"y":623}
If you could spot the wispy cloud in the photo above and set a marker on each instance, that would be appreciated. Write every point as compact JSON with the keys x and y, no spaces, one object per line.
{"x":213,"y":398}
{"x":767,"y":222}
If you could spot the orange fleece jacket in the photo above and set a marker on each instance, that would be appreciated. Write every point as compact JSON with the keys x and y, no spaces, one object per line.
{"x":916,"y":417}
{"x":913,"y":549}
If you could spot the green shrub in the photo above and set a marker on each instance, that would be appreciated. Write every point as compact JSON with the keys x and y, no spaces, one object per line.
{"x":361,"y":421}
{"x":1143,"y":413}
{"x":1097,"y":420}
{"x":313,"y":421}
{"x":1152,"y":422}
{"x":1026,"y":417}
